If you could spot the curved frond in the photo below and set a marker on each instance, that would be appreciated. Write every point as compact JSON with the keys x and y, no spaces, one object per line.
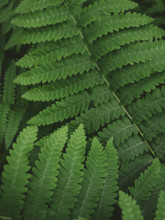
{"x":96,"y":117}
{"x":120,"y":130}
{"x":149,"y":105}
{"x":70,"y":177}
{"x":109,"y":193}
{"x":143,"y":186}
{"x":130,"y":209}
{"x":131,"y":148}
{"x":44,"y":177}
{"x":160,"y":212}
{"x":64,"y":88}
{"x":63,"y":109}
{"x":93,"y":181}
{"x":15,"y":176}
{"x":55,"y":71}
{"x":50,"y":52}
{"x":110,"y":23}
{"x":120,"y":38}
{"x":91,"y":13}
{"x":49,"y":16}
{"x":131,"y":170}
{"x":27,"y":6}
{"x":14,"y":118}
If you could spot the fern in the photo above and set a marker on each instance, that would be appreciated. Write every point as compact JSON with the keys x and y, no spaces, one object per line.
{"x":129,"y":208}
{"x":108,"y":195}
{"x":145,"y":183}
{"x":43,"y":180}
{"x":15,"y":176}
{"x":160,"y":211}
{"x":93,"y":181}
{"x":70,"y":177}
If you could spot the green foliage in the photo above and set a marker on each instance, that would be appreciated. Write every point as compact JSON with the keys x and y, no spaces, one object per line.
{"x":130,"y":209}
{"x":98,"y":63}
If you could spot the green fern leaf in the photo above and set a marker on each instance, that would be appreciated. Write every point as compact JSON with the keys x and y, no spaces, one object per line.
{"x":91,"y":13}
{"x":44,"y":177}
{"x":150,"y":105}
{"x":56,"y":71}
{"x":50,"y":52}
{"x":120,"y":130}
{"x":160,"y":212}
{"x":15,"y":176}
{"x":110,"y":23}
{"x":131,"y":148}
{"x":70,"y":177}
{"x":108,"y":195}
{"x":143,"y":186}
{"x":131,"y":170}
{"x":92,"y":182}
{"x":9,"y":87}
{"x":131,"y":91}
{"x":130,"y":209}
{"x":120,"y":38}
{"x":134,"y":53}
{"x":64,"y":88}
{"x":63,"y":109}
{"x":96,"y":117}
{"x":27,"y":6}
{"x":14,"y":118}
{"x":49,"y":16}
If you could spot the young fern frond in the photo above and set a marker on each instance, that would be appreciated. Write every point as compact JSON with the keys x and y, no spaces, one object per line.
{"x":93,"y":181}
{"x":160,"y":212}
{"x":15,"y":176}
{"x":14,"y":118}
{"x":130,"y":209}
{"x":109,"y":192}
{"x":70,"y":177}
{"x":44,"y":177}
{"x":143,"y":186}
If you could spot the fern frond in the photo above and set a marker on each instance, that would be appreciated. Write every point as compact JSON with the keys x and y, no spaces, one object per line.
{"x":55,"y":71}
{"x":120,"y":38}
{"x":50,"y":52}
{"x":131,"y":170}
{"x":143,"y":186}
{"x":120,"y":130}
{"x":91,"y":13}
{"x":131,"y":91}
{"x":15,"y":176}
{"x":122,"y":77}
{"x":160,"y":212}
{"x":43,"y":34}
{"x":133,"y":147}
{"x":70,"y":177}
{"x":64,"y":88}
{"x":9,"y":86}
{"x":130,"y":210}
{"x":108,"y":195}
{"x":153,"y":126}
{"x":96,"y":117}
{"x":110,"y":23}
{"x":149,"y":105}
{"x":49,"y":16}
{"x":158,"y":145}
{"x":92,"y":182}
{"x":134,"y":53}
{"x":44,"y":177}
{"x":27,"y":6}
{"x":63,"y":109}
{"x":14,"y":118}
{"x":4,"y":110}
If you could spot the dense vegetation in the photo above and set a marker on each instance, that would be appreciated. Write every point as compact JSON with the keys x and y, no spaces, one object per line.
{"x":82,"y":109}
